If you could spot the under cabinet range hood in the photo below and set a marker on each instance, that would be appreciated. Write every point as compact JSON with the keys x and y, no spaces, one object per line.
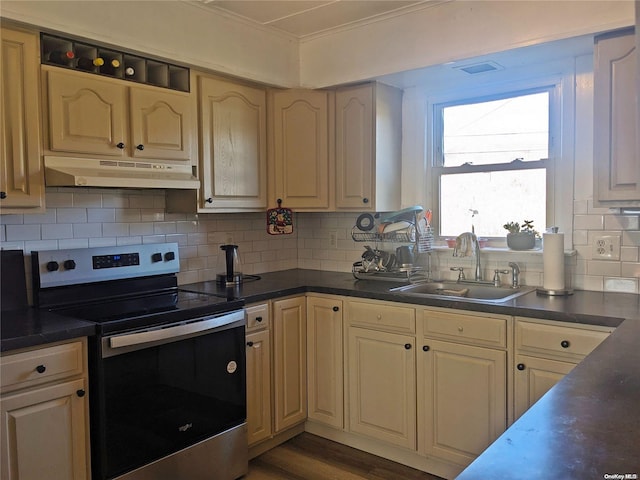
{"x":83,"y":172}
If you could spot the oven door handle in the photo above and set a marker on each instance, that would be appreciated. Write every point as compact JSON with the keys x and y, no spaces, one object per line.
{"x":159,"y":334}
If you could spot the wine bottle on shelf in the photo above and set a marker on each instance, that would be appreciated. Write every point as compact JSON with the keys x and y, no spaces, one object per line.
{"x":90,"y":63}
{"x":110,"y":67}
{"x":61,"y":57}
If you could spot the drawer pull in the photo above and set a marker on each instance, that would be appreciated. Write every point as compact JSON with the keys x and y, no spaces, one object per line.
{"x":258,"y":319}
{"x":249,"y":344}
{"x":520,"y":366}
{"x":41,"y":369}
{"x":565,"y":343}
{"x":80,"y":393}
{"x":120,"y":145}
{"x":426,"y":348}
{"x":407,"y":346}
{"x":336,"y":309}
{"x":140,"y":147}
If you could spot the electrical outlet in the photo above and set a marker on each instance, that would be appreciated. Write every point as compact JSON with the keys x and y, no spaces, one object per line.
{"x":333,"y":239}
{"x":606,"y":247}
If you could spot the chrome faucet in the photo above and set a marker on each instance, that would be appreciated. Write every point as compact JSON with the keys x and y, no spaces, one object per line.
{"x":466,"y":243}
{"x":515,"y":273}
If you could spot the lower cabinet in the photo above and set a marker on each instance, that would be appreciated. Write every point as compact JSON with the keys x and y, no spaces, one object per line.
{"x":44,"y":414}
{"x":258,"y":386}
{"x":289,"y":362}
{"x":382,"y":386}
{"x":545,"y":351}
{"x":325,"y":363}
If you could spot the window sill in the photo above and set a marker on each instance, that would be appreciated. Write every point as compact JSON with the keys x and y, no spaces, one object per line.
{"x":535,"y":252}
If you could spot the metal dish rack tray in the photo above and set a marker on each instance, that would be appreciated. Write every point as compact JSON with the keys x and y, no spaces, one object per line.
{"x":396,"y":275}
{"x":407,"y":235}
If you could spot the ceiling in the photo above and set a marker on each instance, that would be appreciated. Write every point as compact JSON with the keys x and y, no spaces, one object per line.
{"x":303,"y":18}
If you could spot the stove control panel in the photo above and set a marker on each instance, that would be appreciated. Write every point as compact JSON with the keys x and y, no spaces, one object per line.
{"x":54,"y":268}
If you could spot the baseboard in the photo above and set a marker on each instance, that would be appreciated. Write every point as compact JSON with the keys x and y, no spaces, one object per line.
{"x":397,"y":454}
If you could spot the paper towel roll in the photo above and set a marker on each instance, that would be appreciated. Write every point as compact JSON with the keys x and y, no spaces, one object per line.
{"x":553,"y":261}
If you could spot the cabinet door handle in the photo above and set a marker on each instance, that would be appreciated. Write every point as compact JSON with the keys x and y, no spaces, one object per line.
{"x":407,"y":346}
{"x":81,"y":393}
{"x":41,"y":369}
{"x":3,"y":195}
{"x":365,"y":200}
{"x":258,"y":319}
{"x":426,"y":348}
{"x":249,"y":344}
{"x":565,"y":343}
{"x":520,"y":366}
{"x":140,"y":147}
{"x":209,"y":200}
{"x":336,"y":309}
{"x":120,"y":146}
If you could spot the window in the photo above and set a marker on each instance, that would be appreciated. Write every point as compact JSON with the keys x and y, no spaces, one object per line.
{"x":492,"y":161}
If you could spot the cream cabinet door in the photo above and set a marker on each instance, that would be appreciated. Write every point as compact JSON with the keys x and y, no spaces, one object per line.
{"x":534,"y":377}
{"x":355,"y":156}
{"x":382,"y":386}
{"x":233,"y":145}
{"x":290,"y":362}
{"x":325,"y":361}
{"x":21,"y":174}
{"x":463,"y":399}
{"x":87,"y":114}
{"x":162,"y":124}
{"x":617,"y":163}
{"x":43,"y":433}
{"x":258,"y":386}
{"x":303,"y":174}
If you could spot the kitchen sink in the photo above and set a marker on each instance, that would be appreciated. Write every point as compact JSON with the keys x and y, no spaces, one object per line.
{"x":485,"y":293}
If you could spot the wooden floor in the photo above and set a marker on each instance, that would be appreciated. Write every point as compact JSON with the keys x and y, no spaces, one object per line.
{"x":309,"y":457}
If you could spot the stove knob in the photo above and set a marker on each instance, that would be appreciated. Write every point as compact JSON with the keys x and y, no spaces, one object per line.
{"x":156,"y":257}
{"x":169,"y":256}
{"x":52,"y":266}
{"x":69,"y":264}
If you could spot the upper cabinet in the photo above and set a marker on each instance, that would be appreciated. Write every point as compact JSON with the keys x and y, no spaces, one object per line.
{"x":301,"y":162}
{"x":368,"y":147}
{"x":90,"y":115}
{"x":233,"y":145}
{"x":616,"y":158}
{"x":21,"y":174}
{"x":336,"y":150}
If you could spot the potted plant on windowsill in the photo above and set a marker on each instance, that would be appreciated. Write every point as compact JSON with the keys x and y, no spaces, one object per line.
{"x":521,"y":238}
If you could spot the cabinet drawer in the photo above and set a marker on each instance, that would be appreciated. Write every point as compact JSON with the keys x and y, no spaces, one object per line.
{"x":382,"y":316}
{"x":465,"y":328}
{"x":257,"y":316}
{"x":555,"y":340}
{"x":38,"y":366}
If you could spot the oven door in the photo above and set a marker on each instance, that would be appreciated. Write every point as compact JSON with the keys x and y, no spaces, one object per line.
{"x":164,"y":389}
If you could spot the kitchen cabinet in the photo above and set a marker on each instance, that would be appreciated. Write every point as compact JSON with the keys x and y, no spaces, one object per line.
{"x":44,"y":413}
{"x":325,"y":364}
{"x":106,"y":117}
{"x":289,"y":362}
{"x":616,"y":158}
{"x":21,"y":174}
{"x":233,"y":143}
{"x":545,"y":352}
{"x":368,"y":147}
{"x":382,"y":372}
{"x":462,"y":384}
{"x":301,"y":158}
{"x":259,"y":424}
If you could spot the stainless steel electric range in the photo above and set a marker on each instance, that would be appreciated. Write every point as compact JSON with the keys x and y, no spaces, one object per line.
{"x":166,"y":368}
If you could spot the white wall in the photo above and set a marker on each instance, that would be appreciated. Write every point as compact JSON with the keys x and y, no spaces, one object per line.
{"x":180,"y":31}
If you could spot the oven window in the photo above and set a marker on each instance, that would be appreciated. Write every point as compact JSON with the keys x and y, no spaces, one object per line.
{"x":161,"y":399}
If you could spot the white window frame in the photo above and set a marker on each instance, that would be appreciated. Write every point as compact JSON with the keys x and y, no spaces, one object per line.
{"x":559,"y":165}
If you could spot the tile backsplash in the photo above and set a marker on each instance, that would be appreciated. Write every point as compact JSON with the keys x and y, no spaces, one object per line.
{"x":78,"y":218}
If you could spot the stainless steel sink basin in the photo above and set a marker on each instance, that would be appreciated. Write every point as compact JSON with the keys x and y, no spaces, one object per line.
{"x":469,"y":291}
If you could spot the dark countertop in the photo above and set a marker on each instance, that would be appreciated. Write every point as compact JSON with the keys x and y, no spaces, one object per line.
{"x":587,"y":426}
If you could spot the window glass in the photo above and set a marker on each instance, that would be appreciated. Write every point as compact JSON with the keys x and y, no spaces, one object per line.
{"x":492,"y":167}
